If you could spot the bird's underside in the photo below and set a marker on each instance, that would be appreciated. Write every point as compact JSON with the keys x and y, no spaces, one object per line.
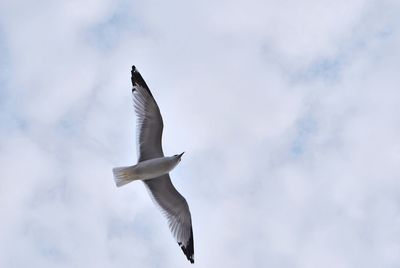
{"x":149,"y":133}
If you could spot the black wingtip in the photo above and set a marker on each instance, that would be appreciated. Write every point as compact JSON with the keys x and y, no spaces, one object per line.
{"x":189,"y":256}
{"x":189,"y":249}
{"x":137,"y":80}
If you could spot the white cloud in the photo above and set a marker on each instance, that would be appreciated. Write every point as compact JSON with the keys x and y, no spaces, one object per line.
{"x":287,"y":112}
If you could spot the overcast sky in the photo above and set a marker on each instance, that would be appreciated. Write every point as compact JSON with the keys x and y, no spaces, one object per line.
{"x":289,"y":113}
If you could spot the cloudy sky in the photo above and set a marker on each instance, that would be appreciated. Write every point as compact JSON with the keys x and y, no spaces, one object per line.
{"x":288,"y":112}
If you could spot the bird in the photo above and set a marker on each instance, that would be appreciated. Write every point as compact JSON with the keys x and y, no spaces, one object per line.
{"x":153,"y":167}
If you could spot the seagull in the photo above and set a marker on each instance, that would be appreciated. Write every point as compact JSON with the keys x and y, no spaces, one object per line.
{"x":153,"y":167}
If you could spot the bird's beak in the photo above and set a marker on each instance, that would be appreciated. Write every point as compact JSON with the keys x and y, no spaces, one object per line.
{"x":181,"y":154}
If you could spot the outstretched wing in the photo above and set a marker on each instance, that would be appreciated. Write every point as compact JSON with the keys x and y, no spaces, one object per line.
{"x":175,"y":208}
{"x":149,"y":120}
{"x":149,"y":129}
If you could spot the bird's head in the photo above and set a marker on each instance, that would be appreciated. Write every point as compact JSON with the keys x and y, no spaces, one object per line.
{"x":178,"y":157}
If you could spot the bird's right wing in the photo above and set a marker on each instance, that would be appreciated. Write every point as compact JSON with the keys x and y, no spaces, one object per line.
{"x":149,"y":120}
{"x":175,"y":208}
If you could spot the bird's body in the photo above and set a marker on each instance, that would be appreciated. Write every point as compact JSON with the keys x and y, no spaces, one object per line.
{"x":153,"y":168}
{"x":145,"y":170}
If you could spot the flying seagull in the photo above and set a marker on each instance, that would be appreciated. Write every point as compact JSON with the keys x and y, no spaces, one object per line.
{"x":153,"y":167}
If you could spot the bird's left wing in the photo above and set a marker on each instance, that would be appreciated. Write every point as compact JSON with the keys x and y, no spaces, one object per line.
{"x":149,"y":121}
{"x":175,"y":208}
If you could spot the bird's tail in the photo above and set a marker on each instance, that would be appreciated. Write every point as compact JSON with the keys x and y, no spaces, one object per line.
{"x":124,"y":175}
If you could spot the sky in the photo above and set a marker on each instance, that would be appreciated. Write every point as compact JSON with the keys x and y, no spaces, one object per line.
{"x":288,"y":112}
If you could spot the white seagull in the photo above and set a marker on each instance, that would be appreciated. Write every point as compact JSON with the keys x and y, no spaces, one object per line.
{"x":153,"y":167}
